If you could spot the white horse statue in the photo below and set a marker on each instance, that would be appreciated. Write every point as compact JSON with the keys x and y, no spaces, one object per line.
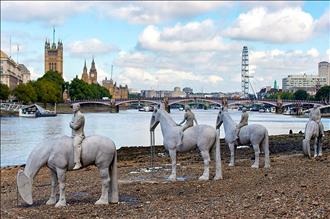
{"x":312,"y":132}
{"x":203,"y":136}
{"x":58,"y":156}
{"x":254,"y":134}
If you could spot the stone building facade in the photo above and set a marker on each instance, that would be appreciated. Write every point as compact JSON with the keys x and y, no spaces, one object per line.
{"x":54,"y":57}
{"x":117,"y":92}
{"x":12,"y":73}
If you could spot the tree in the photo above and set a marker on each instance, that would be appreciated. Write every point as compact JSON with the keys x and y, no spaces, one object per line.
{"x":48,"y":91}
{"x":287,"y":95}
{"x":80,"y":90}
{"x":4,"y":92}
{"x":323,"y":94}
{"x":300,"y":95}
{"x":25,"y":93}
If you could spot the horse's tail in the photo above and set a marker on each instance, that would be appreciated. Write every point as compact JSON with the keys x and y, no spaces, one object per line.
{"x":216,"y":153}
{"x":37,"y":159}
{"x":265,"y":145}
{"x":114,"y":198}
{"x":218,"y":168}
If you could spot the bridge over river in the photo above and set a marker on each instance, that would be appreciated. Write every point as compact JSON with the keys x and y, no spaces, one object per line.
{"x":279,"y":104}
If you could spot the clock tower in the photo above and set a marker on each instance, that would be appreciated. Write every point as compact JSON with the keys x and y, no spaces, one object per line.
{"x":93,"y":74}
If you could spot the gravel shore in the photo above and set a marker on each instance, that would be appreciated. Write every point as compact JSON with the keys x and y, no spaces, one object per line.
{"x":294,"y":187}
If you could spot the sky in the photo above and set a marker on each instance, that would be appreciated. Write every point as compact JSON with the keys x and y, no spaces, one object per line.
{"x":160,"y":45}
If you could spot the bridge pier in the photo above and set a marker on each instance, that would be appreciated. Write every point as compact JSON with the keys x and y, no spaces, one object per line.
{"x":113,"y":108}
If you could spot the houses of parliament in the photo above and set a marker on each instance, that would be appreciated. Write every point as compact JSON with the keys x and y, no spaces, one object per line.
{"x":54,"y":61}
{"x":117,"y":92}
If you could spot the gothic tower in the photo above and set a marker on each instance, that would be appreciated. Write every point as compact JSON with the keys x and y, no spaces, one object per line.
{"x":84,"y":76}
{"x":93,"y":74}
{"x":54,"y":56}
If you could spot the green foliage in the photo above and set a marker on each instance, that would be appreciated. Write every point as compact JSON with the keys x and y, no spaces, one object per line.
{"x":80,"y":90}
{"x":25,"y":93}
{"x":300,"y":95}
{"x":287,"y":95}
{"x":323,"y":94}
{"x":4,"y":92}
{"x":48,"y":91}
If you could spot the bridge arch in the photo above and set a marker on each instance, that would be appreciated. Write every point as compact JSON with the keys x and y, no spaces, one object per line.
{"x":93,"y":102}
{"x":194,"y":100}
{"x":136,"y":101}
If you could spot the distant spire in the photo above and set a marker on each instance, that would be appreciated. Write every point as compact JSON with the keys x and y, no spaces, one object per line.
{"x":53,"y":35}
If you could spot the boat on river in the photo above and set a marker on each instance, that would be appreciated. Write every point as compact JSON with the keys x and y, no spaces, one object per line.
{"x":35,"y":110}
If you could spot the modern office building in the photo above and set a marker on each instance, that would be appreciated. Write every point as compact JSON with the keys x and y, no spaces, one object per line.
{"x":304,"y":82}
{"x":324,"y":71}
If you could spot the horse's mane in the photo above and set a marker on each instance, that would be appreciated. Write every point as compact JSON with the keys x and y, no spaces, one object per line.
{"x":167,"y":116}
{"x":230,"y":120}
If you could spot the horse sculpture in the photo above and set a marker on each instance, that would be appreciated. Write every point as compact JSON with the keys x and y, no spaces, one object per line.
{"x":312,"y":132}
{"x":203,"y":136}
{"x":58,"y":156}
{"x":251,"y":134}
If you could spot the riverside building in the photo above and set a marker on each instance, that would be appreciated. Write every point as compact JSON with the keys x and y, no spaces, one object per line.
{"x":309,"y":83}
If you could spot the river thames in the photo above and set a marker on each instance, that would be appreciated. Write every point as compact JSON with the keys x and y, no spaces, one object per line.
{"x":127,"y":128}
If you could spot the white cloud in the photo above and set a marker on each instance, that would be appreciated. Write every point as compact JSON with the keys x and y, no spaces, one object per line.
{"x":90,"y":47}
{"x":288,"y":25}
{"x":51,"y":12}
{"x":323,"y":24}
{"x":164,"y":78}
{"x":156,"y":12}
{"x":313,"y":52}
{"x":192,"y":37}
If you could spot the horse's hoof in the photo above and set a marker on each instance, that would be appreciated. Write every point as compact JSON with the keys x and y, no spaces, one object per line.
{"x":172,"y":178}
{"x":267,"y":166}
{"x":101,"y":202}
{"x":231,"y":165}
{"x":217,"y":177}
{"x":51,"y":201}
{"x":320,"y":154}
{"x":203,"y":178}
{"x":60,"y":204}
{"x":255,"y":166}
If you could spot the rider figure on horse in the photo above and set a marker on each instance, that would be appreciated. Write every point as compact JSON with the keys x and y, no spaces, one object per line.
{"x":243,"y":122}
{"x":315,"y":115}
{"x":189,"y":117}
{"x":77,"y":125}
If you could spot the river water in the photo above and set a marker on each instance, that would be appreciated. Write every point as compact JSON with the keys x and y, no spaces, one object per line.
{"x":126,"y":128}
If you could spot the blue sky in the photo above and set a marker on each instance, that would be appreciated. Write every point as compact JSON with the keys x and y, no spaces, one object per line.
{"x":160,"y":45}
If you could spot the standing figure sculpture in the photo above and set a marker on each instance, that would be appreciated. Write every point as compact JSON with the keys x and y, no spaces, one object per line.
{"x":77,"y":125}
{"x":254,"y":134}
{"x":314,"y":131}
{"x":243,"y":122}
{"x":204,"y":137}
{"x":58,"y":156}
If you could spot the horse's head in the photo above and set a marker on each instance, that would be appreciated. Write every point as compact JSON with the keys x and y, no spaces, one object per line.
{"x":220,"y":117}
{"x":154,"y":118}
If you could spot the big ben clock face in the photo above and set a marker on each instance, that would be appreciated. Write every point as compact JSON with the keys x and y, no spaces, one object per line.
{"x":92,"y":75}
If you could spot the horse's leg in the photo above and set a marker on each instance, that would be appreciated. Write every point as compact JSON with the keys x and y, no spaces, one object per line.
{"x":172,"y":152}
{"x":61,"y":179}
{"x":308,"y":148}
{"x":206,"y":158}
{"x":52,"y":199}
{"x":265,"y":145}
{"x":114,"y":197}
{"x":256,"y":156}
{"x":104,"y":199}
{"x":315,"y":147}
{"x":319,"y":145}
{"x":232,"y":154}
